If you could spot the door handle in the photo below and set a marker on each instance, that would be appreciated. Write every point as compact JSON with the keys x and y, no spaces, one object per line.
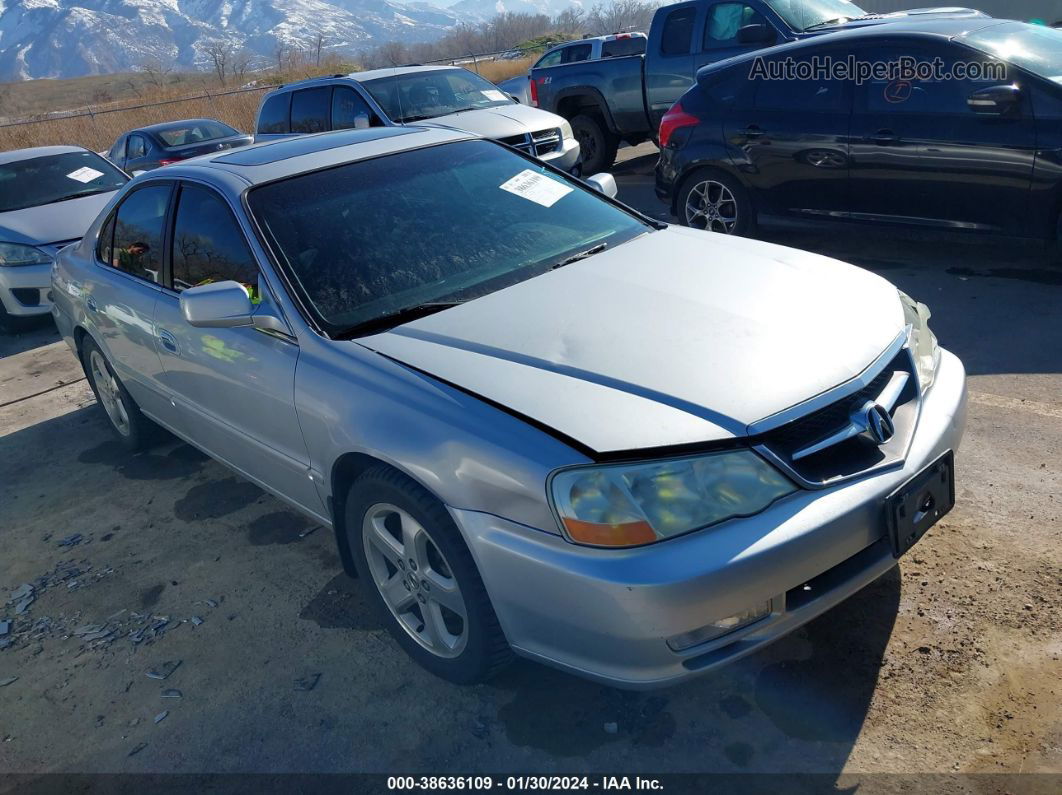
{"x":169,"y":342}
{"x":884,"y":137}
{"x":90,"y":304}
{"x":753,"y":131}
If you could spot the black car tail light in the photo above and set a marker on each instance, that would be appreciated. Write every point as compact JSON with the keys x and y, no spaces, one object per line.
{"x":675,"y":120}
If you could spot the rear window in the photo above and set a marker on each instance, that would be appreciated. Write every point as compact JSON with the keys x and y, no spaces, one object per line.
{"x":310,"y":108}
{"x":55,"y":178}
{"x":195,"y":133}
{"x":617,"y":48}
{"x":274,"y":116}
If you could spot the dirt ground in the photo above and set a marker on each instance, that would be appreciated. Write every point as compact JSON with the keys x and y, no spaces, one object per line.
{"x":949,"y":664}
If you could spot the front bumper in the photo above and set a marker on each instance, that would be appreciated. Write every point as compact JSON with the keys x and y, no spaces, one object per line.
{"x":24,"y":290}
{"x":564,"y":158}
{"x":607,"y":615}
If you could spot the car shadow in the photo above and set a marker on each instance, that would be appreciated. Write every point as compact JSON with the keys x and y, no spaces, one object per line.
{"x":797,"y":706}
{"x":25,"y":335}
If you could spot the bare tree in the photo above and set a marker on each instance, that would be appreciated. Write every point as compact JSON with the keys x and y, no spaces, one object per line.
{"x":220,"y":54}
{"x":157,"y":68}
{"x":317,"y":49}
{"x":242,"y":61}
{"x":571,"y":20}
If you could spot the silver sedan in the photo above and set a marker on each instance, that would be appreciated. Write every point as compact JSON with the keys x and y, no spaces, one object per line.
{"x":538,"y":422}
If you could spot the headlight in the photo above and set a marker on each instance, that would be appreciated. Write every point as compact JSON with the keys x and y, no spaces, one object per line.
{"x":14,"y":254}
{"x":625,"y":505}
{"x":922,"y":341}
{"x":566,"y":130}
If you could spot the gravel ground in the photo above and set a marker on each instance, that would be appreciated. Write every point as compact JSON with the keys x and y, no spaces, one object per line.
{"x":124,"y":566}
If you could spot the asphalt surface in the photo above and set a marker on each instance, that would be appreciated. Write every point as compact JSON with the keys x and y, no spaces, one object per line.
{"x":948,"y":664}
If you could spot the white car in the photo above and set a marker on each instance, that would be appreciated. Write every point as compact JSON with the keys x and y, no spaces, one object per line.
{"x":427,"y":96}
{"x":48,"y":197}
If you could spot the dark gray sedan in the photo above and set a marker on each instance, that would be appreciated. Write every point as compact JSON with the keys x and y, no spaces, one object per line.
{"x":170,"y":142}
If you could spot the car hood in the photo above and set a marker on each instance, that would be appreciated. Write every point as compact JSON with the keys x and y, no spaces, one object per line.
{"x":52,"y":223}
{"x":499,"y":122}
{"x":939,"y":12}
{"x":676,"y":337}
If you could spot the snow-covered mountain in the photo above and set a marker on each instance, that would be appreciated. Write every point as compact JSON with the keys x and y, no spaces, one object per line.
{"x":482,"y":10}
{"x":70,"y":38}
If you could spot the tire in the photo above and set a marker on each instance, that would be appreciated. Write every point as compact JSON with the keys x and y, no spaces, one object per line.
{"x":430,"y":578}
{"x":597,"y":146}
{"x":134,"y":430}
{"x":715,"y":201}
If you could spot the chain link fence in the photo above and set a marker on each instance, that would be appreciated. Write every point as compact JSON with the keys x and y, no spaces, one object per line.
{"x":98,"y":129}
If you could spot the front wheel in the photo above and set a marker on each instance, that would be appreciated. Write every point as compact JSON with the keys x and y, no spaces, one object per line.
{"x":411,"y":556}
{"x":716,"y":202}
{"x":597,"y":146}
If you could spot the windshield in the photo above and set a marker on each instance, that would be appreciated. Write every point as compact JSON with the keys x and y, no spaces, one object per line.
{"x":804,"y":14}
{"x":445,"y":223}
{"x":195,"y":132}
{"x":55,"y":178}
{"x":426,"y":95}
{"x":1032,"y":47}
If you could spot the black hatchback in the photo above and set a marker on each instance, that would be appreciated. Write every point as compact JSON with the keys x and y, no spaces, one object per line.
{"x":948,"y":124}
{"x":169,"y":142}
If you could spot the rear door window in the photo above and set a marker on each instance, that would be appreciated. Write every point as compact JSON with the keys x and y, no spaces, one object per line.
{"x":678,"y":31}
{"x":310,"y":108}
{"x":274,"y":118}
{"x":617,"y":48}
{"x":577,"y":52}
{"x":138,"y":233}
{"x":137,"y":146}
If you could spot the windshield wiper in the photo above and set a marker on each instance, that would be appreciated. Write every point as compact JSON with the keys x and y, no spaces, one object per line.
{"x":581,"y":255}
{"x":396,"y":318}
{"x":826,"y":22}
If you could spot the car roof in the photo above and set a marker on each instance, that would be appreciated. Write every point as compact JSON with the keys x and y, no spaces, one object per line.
{"x":265,"y":162}
{"x":170,"y":125}
{"x":927,"y":29}
{"x":15,"y":155}
{"x":372,"y":74}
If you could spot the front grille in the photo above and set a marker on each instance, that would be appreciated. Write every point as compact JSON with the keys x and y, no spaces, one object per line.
{"x":27,"y":296}
{"x":536,"y":144}
{"x":835,"y":443}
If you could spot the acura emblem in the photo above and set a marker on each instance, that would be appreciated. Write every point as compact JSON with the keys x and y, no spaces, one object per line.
{"x":878,"y":422}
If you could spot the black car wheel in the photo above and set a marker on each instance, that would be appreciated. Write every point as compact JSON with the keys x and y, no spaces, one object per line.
{"x":422,"y":579}
{"x":716,"y":202}
{"x":597,"y":146}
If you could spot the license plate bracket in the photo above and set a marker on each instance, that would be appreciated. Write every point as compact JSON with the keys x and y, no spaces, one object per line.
{"x":920,"y":503}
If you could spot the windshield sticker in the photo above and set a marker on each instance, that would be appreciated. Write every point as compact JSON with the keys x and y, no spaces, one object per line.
{"x":85,"y":174}
{"x":536,"y":187}
{"x":494,"y":95}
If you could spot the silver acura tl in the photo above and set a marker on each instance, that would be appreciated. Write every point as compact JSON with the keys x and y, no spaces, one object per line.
{"x":538,"y":422}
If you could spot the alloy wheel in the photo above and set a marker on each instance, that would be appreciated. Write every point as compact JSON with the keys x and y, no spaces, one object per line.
{"x":415,"y":580}
{"x":711,"y":206}
{"x":109,"y":393}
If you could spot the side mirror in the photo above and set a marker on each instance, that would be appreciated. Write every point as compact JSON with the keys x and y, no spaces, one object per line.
{"x":756,"y":34}
{"x":996,"y":101}
{"x":513,"y":97}
{"x":218,"y":305}
{"x":605,"y":183}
